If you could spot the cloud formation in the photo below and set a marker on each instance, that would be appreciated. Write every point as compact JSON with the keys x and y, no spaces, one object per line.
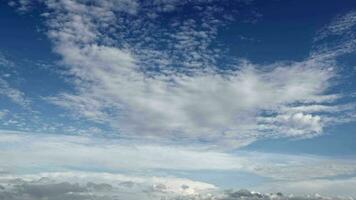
{"x":80,"y":186}
{"x":157,"y":79}
{"x":329,"y":187}
{"x":6,"y":90}
{"x":248,"y":195}
{"x":15,"y":95}
{"x":145,"y":80}
{"x":101,"y":186}
{"x":33,"y":152}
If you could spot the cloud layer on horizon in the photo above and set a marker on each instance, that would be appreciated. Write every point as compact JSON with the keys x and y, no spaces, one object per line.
{"x":24,"y":152}
{"x":104,"y":186}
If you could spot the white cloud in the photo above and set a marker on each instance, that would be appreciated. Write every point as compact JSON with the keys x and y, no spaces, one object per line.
{"x":148,"y":82}
{"x":6,"y":90}
{"x":339,"y":25}
{"x":115,"y":86}
{"x":295,"y":124}
{"x":336,"y":187}
{"x":80,"y":185}
{"x":4,"y":62}
{"x":144,"y":80}
{"x":338,"y":37}
{"x":244,"y":194}
{"x":29,"y":152}
{"x":105,"y":186}
{"x":21,"y":5}
{"x":13,"y":94}
{"x":81,"y":152}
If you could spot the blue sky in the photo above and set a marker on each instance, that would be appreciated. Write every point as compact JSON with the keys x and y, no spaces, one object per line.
{"x":211,"y":95}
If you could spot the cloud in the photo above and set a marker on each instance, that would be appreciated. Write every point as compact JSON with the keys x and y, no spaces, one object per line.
{"x":15,"y":95}
{"x":78,"y":186}
{"x":32,"y":152}
{"x":4,"y":62}
{"x":338,"y":37}
{"x":248,"y":195}
{"x":81,"y":152}
{"x":158,"y":82}
{"x":334,"y":187}
{"x":340,"y":25}
{"x":6,"y":90}
{"x":103,"y":186}
{"x":22,"y":6}
{"x":145,"y":80}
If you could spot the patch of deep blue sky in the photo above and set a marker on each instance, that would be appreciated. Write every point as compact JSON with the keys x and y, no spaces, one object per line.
{"x":276,"y":31}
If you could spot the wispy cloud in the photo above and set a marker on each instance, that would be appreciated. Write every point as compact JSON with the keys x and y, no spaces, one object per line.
{"x":6,"y":90}
{"x":338,"y":37}
{"x":5,"y":62}
{"x":149,"y":81}
{"x":49,"y":160}
{"x":96,"y":153}
{"x":13,"y":94}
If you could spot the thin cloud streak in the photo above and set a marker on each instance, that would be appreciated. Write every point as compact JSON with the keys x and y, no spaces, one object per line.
{"x":90,"y":152}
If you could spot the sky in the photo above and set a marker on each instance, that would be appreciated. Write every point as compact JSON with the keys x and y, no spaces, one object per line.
{"x":177,"y":99}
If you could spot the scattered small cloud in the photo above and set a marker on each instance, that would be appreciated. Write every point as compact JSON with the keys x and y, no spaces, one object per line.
{"x":4,"y":61}
{"x":15,"y":95}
